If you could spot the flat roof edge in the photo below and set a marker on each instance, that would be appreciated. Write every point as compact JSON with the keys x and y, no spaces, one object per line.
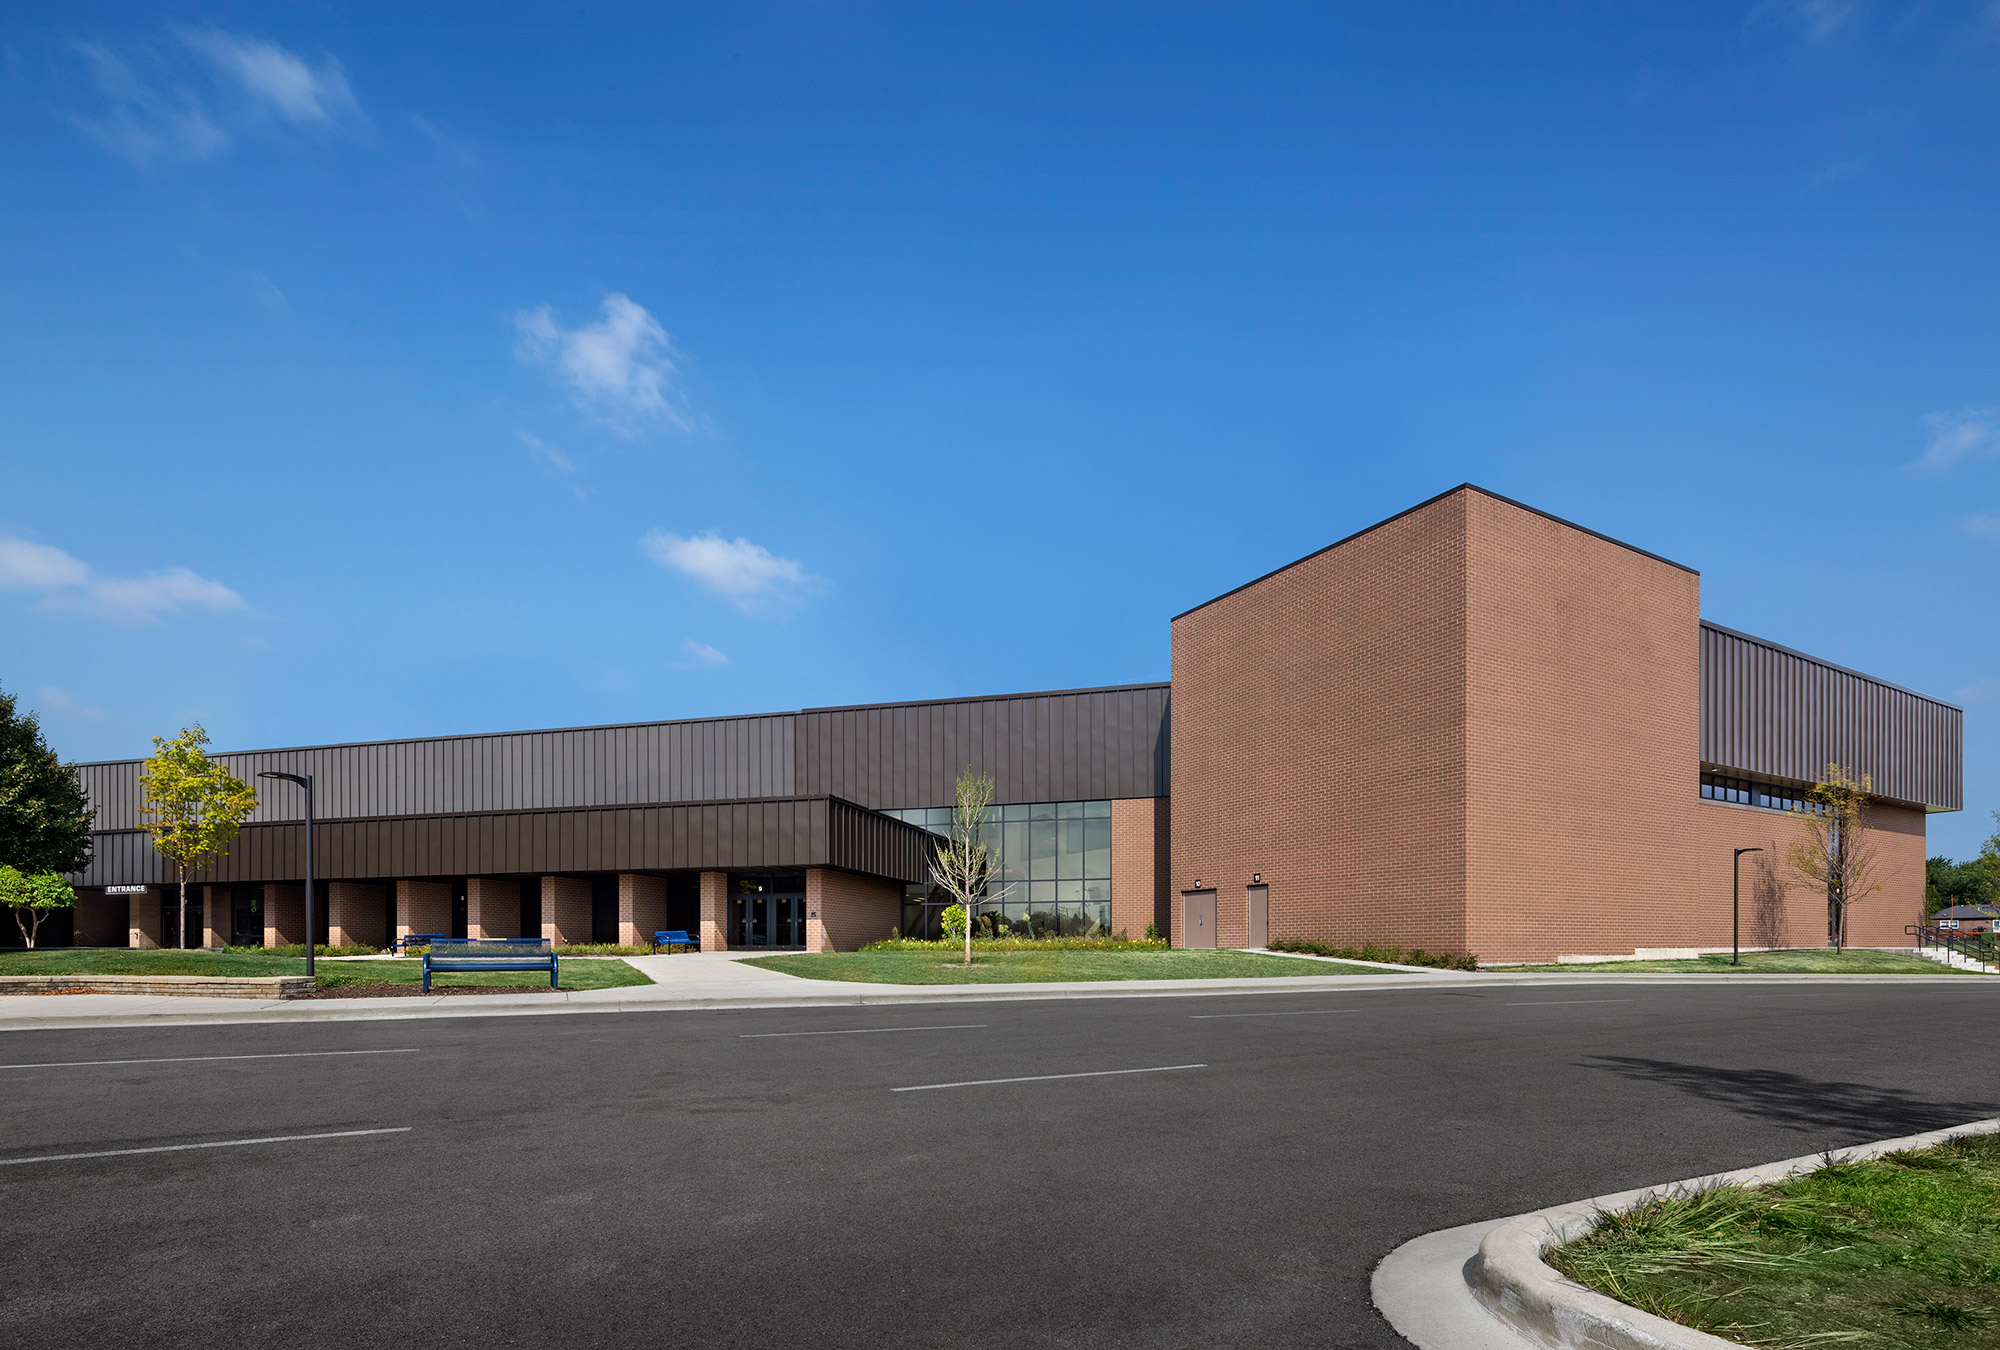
{"x":1432,"y":501}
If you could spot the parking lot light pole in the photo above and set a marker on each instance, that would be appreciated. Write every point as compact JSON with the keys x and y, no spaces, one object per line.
{"x":1735,"y":903}
{"x":305,"y":781}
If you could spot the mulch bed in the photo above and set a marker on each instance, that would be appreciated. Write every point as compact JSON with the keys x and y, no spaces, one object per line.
{"x":417,"y":991}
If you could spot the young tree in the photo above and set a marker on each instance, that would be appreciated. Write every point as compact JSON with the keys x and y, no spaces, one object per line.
{"x":195,"y":806}
{"x":44,"y":812}
{"x":32,"y":898}
{"x":1837,"y":852}
{"x":960,"y":864}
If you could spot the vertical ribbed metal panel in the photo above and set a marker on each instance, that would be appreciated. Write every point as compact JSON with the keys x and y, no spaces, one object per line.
{"x":516,"y":771}
{"x":1771,"y":712}
{"x":1080,"y":745}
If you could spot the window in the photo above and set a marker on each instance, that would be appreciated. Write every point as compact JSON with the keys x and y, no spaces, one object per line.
{"x":1717,"y":787}
{"x":1051,"y":866}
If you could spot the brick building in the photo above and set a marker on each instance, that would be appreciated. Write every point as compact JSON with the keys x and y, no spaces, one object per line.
{"x":1471,"y":727}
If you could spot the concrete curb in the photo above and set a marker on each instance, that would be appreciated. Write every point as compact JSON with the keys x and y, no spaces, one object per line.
{"x":1507,"y":1274}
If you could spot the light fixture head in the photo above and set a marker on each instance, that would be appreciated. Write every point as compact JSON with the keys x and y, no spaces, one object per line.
{"x":1256,"y":878}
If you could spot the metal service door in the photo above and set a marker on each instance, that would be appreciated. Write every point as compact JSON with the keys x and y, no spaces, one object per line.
{"x":1260,"y":916}
{"x":1198,"y":919}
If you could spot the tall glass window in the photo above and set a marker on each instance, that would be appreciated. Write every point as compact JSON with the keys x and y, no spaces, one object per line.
{"x":1051,"y":866}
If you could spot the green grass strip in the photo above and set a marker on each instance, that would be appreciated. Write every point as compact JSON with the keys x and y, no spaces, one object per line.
{"x":572,"y":974}
{"x":1901,"y":1252}
{"x":1047,"y":967}
{"x":1810,"y":961}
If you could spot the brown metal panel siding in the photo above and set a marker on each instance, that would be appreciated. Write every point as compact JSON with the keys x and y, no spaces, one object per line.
{"x":1773,"y":713}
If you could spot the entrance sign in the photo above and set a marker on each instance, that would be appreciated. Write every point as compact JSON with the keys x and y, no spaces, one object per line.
{"x":126,"y":890}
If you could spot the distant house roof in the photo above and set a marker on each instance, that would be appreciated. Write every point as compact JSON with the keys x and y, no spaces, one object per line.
{"x":1969,"y":912}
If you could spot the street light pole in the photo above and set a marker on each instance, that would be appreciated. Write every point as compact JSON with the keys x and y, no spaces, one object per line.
{"x":305,"y":781}
{"x":1736,"y":905}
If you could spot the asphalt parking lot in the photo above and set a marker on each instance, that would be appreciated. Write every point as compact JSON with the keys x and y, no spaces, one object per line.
{"x":1181,"y":1171}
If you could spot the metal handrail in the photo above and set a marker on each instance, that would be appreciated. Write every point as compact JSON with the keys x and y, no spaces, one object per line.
{"x":1981,"y":947}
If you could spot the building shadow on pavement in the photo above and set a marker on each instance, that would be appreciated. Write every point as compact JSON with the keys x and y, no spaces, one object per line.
{"x":1799,"y":1103}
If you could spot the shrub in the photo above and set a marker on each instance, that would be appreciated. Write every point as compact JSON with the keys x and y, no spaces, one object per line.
{"x":1395,"y":956}
{"x":953,"y":919}
{"x":1153,"y":933}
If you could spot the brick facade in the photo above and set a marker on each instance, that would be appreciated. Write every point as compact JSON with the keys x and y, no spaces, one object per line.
{"x":217,"y":919}
{"x":102,"y":920}
{"x":566,"y":910}
{"x":356,"y":915}
{"x":844,"y":910}
{"x":642,"y":908}
{"x":715,"y":911}
{"x":1475,"y":728}
{"x":1140,"y":845}
{"x":284,"y":913}
{"x":143,"y":919}
{"x":1319,"y":739}
{"x":492,"y":908}
{"x":422,"y":907}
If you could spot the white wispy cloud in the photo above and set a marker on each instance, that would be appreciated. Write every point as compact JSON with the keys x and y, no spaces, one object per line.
{"x":64,"y":582}
{"x":62,"y":703}
{"x":194,"y":96}
{"x":704,"y":653}
{"x":1959,"y":435}
{"x":620,"y":370}
{"x":745,"y":574}
{"x":1988,"y":526}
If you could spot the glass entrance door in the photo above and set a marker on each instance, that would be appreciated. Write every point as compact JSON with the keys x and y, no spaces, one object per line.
{"x":767,"y":910}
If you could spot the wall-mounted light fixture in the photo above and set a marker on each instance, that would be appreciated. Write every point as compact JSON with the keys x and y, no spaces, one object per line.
{"x":1256,"y":878}
{"x":1197,"y":883}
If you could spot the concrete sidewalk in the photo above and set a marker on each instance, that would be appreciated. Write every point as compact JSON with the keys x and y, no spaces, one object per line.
{"x":706,"y":982}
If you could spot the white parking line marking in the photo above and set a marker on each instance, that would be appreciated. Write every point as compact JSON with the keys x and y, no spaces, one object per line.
{"x":220,"y":1143}
{"x":1295,"y":1012}
{"x":858,"y":1031}
{"x":1045,"y":1077}
{"x":1565,"y":1002}
{"x":208,"y":1059}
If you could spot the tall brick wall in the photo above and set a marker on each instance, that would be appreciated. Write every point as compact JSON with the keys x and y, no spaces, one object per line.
{"x":1141,"y":845}
{"x":356,"y":915}
{"x":642,"y":908}
{"x":102,"y":920}
{"x":422,"y":907}
{"x":1320,"y":739}
{"x":844,"y":910}
{"x":715,"y":911}
{"x":1583,"y":703}
{"x":492,"y":908}
{"x":1777,"y":911}
{"x":566,"y":909}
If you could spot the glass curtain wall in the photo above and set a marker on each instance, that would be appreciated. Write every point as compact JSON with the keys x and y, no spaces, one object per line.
{"x":1052,"y":867}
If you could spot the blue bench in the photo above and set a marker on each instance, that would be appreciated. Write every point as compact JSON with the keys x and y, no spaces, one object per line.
{"x":477,"y":954}
{"x":409,"y":940}
{"x":671,"y":938}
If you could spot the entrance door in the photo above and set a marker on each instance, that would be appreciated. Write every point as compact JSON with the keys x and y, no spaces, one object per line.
{"x":1198,"y":919}
{"x":1260,"y":916}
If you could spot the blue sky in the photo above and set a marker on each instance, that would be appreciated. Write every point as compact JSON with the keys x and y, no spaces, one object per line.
{"x":365,"y":374}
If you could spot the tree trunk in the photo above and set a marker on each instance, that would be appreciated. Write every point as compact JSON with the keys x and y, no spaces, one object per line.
{"x":181,"y":941}
{"x":968,"y":933}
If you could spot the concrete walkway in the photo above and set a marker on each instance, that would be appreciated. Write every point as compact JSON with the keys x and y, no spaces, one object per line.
{"x":701,"y":981}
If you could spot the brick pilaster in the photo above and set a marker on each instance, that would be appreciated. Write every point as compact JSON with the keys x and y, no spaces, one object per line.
{"x":216,"y":920}
{"x":284,"y":913}
{"x":354,"y":915}
{"x":143,"y":912}
{"x":844,"y":910}
{"x":642,"y":908}
{"x":1139,"y":874}
{"x":566,"y":910}
{"x":715,"y":911}
{"x":422,"y":907}
{"x":492,"y":908}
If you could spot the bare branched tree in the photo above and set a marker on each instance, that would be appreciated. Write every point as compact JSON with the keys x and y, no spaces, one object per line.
{"x":961,"y":863}
{"x":1837,"y":852}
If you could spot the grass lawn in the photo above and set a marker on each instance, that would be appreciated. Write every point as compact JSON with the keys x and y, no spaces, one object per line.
{"x":1901,"y":1252}
{"x":573,"y":973}
{"x":1018,"y":967}
{"x":1809,"y":961}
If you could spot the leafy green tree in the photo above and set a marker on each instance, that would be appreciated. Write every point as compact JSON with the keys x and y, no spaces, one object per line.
{"x":44,"y":812}
{"x":960,"y":863}
{"x":1948,"y":883}
{"x":194,"y":805}
{"x":33,"y":898}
